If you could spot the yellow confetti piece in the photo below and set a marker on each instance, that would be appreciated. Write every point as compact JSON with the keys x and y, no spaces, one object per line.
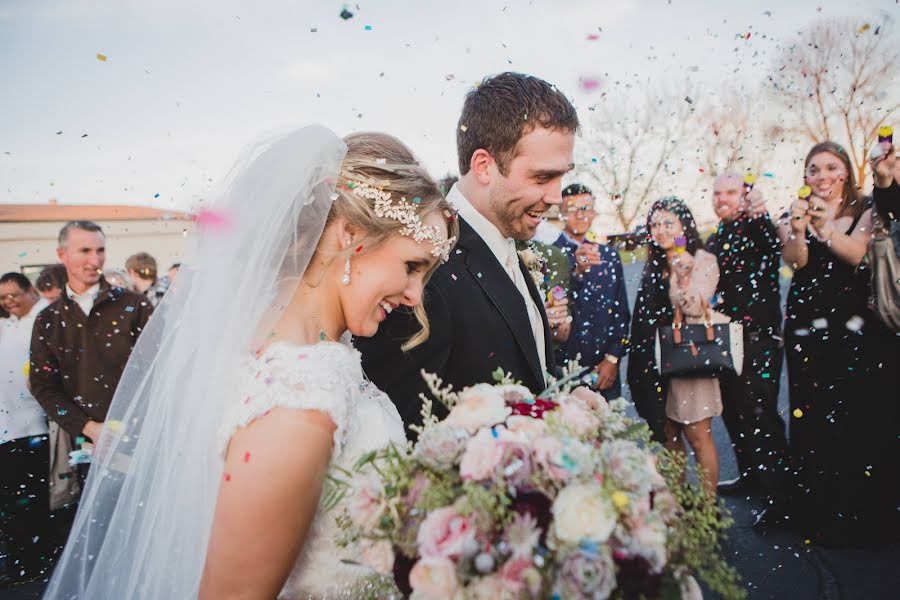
{"x":786,"y":272}
{"x":797,"y":413}
{"x":806,"y":542}
{"x":115,"y":426}
{"x":804,"y":192}
{"x":591,"y":237}
{"x":26,"y":369}
{"x":864,"y":28}
{"x":101,"y":57}
{"x":619,"y":500}
{"x":749,"y":178}
{"x":868,"y":474}
{"x":463,"y":128}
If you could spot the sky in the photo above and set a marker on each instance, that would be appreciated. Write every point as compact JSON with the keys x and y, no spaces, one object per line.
{"x":187,"y":84}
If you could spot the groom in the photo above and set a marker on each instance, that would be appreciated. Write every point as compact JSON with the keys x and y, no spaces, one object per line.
{"x":514,"y":141}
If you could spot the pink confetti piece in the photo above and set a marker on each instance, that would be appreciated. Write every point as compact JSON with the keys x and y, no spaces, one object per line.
{"x":212,"y":220}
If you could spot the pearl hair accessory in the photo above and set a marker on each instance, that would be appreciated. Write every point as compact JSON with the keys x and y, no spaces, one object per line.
{"x":405,"y":212}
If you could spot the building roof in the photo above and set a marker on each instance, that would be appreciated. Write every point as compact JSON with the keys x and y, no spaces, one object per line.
{"x":35,"y":213}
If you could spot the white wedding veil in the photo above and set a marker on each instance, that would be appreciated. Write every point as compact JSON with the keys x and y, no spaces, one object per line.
{"x":145,"y":516}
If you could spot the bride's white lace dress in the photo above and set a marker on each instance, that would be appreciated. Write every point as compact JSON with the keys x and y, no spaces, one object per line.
{"x":326,"y":376}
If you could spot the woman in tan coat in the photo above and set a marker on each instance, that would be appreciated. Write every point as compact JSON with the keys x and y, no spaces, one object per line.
{"x":690,"y":276}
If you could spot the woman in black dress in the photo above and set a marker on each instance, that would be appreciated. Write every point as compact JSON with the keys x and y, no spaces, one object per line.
{"x":842,"y":364}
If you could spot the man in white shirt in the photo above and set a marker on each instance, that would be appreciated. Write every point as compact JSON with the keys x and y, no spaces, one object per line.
{"x":24,"y":452}
{"x":515,"y":141}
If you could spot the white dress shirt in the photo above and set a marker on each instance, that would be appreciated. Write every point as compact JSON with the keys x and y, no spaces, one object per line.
{"x":85,"y":300}
{"x":504,"y":250}
{"x":20,"y":414}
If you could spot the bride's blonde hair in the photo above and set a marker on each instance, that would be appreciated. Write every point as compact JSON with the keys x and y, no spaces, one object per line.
{"x":383,"y":161}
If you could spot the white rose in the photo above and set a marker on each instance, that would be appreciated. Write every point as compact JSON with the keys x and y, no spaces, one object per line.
{"x":582,"y":512}
{"x":479,"y":406}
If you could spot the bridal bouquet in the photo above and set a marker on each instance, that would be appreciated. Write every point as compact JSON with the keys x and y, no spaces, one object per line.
{"x":512,"y":496}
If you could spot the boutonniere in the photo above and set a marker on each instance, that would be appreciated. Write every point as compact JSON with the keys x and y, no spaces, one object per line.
{"x":536,"y":265}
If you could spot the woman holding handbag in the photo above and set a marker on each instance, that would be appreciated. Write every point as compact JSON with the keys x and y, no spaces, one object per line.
{"x":678,"y":279}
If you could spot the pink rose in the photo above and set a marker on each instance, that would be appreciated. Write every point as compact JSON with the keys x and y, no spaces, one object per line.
{"x":518,"y":575}
{"x":481,"y":457}
{"x":579,"y":419}
{"x":432,"y":578}
{"x":526,"y":428}
{"x":367,"y":504}
{"x":444,"y":533}
{"x":548,"y":456}
{"x":481,"y":405}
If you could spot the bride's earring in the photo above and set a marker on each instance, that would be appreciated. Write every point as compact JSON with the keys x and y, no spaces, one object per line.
{"x":346,"y":278}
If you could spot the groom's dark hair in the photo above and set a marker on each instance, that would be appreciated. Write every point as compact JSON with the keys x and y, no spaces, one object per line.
{"x":502,"y":109}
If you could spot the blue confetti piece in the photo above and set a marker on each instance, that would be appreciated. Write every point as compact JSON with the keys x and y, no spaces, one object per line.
{"x":368,"y":28}
{"x":769,"y":174}
{"x":129,"y":309}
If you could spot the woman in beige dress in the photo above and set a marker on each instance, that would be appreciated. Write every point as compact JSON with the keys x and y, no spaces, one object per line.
{"x":693,"y":274}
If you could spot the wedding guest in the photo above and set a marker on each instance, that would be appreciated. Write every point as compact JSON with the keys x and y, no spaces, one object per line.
{"x":886,"y":179}
{"x":841,"y":360}
{"x":748,"y":251}
{"x":141,"y":269}
{"x":81,"y":343}
{"x":173,"y":271}
{"x":600,"y":313}
{"x":484,"y":309}
{"x":549,"y":268}
{"x":689,"y":275}
{"x":117,"y":278}
{"x":50,"y":282}
{"x":24,"y":452}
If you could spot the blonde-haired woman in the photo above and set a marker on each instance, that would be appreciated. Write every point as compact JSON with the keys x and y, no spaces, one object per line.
{"x":208,"y":476}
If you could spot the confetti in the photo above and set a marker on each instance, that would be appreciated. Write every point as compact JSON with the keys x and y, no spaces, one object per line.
{"x":804,"y":192}
{"x":346,"y":14}
{"x":212,"y":220}
{"x":246,"y":457}
{"x":820,"y":323}
{"x":589,"y":84}
{"x":865,"y":27}
{"x":855,"y":323}
{"x":886,"y":134}
{"x":463,"y":128}
{"x":101,"y":57}
{"x":368,"y":28}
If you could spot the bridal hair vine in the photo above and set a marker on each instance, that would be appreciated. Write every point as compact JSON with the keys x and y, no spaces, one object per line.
{"x":405,"y":213}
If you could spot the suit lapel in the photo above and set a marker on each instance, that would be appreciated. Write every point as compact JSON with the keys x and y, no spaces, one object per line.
{"x":503,"y":293}
{"x":539,"y":302}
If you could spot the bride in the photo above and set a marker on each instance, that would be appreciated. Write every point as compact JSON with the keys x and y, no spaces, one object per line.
{"x":244,"y":389}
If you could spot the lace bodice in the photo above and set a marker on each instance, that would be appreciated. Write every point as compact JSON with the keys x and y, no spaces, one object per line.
{"x":328,"y":377}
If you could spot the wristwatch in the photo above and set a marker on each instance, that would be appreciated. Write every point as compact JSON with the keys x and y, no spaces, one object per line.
{"x":612,"y":359}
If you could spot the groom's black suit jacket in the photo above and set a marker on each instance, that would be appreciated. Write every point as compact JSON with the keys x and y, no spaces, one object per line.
{"x":478,"y":323}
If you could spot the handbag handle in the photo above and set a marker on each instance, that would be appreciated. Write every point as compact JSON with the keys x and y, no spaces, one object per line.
{"x":678,"y":323}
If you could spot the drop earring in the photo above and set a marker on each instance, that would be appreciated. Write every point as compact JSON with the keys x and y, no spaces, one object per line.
{"x":346,"y":278}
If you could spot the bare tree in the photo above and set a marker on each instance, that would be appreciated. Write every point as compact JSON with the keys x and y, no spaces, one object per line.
{"x":734,"y":135}
{"x":631,"y":146}
{"x":838,"y":82}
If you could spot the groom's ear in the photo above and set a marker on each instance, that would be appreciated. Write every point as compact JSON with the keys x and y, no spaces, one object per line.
{"x":480,"y":166}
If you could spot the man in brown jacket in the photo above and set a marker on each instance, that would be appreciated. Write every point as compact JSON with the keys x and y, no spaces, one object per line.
{"x":81,"y":342}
